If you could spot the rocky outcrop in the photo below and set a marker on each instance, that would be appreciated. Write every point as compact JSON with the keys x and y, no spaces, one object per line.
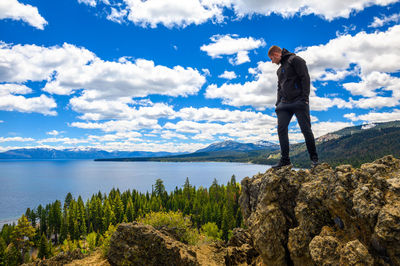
{"x":139,"y":244}
{"x":325,"y":216}
{"x":240,"y":250}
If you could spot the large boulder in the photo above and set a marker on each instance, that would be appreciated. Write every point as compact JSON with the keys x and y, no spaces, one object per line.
{"x":326,"y":216}
{"x":139,"y":244}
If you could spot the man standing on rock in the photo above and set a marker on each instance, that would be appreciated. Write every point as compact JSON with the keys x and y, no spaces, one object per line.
{"x":293,"y":99}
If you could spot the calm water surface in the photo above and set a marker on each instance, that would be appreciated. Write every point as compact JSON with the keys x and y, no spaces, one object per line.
{"x":28,"y":183}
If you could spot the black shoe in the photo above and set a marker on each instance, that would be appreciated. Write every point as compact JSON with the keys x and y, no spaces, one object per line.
{"x":314,"y":163}
{"x":281,"y":164}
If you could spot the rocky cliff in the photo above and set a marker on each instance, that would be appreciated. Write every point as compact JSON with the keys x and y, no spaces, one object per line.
{"x":325,"y":216}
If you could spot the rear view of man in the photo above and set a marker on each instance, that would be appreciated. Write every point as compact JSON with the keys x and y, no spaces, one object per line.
{"x":293,"y":99}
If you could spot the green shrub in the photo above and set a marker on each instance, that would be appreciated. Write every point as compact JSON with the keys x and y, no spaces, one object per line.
{"x":180,"y":224}
{"x":107,"y":238}
{"x":91,"y":240}
{"x":69,"y":245}
{"x":211,"y":231}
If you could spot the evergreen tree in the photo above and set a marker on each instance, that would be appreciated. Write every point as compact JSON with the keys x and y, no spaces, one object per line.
{"x":12,"y":256}
{"x":63,"y":228}
{"x":43,"y":248}
{"x":159,"y":188}
{"x":118,"y":208}
{"x":130,"y":212}
{"x":22,"y":236}
{"x":81,"y":217}
{"x":68,"y":200}
{"x":2,"y":251}
{"x":109,"y":217}
{"x":55,"y":217}
{"x":6,"y":232}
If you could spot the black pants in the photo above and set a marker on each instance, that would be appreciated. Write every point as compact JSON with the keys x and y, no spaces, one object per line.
{"x":285,"y":112}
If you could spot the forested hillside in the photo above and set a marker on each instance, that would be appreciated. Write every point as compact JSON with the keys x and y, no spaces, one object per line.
{"x":87,"y":225}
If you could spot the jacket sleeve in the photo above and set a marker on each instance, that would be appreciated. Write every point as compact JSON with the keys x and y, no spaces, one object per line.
{"x":278,"y":96}
{"x":301,"y":70}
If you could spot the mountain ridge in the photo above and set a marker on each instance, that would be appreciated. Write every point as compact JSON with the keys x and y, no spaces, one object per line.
{"x":73,"y":153}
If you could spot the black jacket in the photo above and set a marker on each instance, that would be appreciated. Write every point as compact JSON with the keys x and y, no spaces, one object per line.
{"x":293,"y":79}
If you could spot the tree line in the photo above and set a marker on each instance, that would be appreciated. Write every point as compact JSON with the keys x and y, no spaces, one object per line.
{"x":57,"y":223}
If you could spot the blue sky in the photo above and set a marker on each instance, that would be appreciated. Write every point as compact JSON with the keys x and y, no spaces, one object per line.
{"x":173,"y":75}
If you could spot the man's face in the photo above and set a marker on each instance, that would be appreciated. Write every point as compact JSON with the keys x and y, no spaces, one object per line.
{"x":275,"y":57}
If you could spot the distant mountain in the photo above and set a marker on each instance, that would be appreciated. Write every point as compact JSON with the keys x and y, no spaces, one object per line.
{"x":230,"y":145}
{"x":226,"y":151}
{"x":351,"y":145}
{"x":358,"y":129}
{"x":46,"y":153}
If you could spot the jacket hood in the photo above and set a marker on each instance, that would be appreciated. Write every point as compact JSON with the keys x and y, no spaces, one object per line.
{"x":285,"y":55}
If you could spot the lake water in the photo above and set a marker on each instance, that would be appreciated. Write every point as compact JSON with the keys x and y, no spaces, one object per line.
{"x":28,"y":183}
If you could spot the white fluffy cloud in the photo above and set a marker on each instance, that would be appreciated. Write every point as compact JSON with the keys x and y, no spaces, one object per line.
{"x":177,"y":13}
{"x":20,"y":63}
{"x":120,"y":125}
{"x":20,"y":139}
{"x":69,"y":68}
{"x":361,"y":49}
{"x":117,"y":15}
{"x":104,"y":79}
{"x":11,"y":100}
{"x":228,"y":75}
{"x":226,"y":116}
{"x":88,"y":2}
{"x":340,"y":57}
{"x":54,"y":132}
{"x":151,"y":146}
{"x":12,"y":9}
{"x":329,"y":9}
{"x":375,"y":116}
{"x":167,"y":134}
{"x":118,"y":109}
{"x":65,"y":141}
{"x":172,"y":13}
{"x":379,"y":22}
{"x":373,"y":68}
{"x":195,"y":123}
{"x":322,"y":128}
{"x":230,"y":44}
{"x":213,"y":123}
{"x":260,"y":93}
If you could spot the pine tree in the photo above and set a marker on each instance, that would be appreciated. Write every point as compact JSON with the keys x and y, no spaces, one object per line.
{"x":12,"y":256}
{"x":22,"y":236}
{"x":63,"y":228}
{"x":43,"y":248}
{"x":81,"y":217}
{"x":118,"y":208}
{"x":55,"y":217}
{"x":2,"y":251}
{"x":6,"y":232}
{"x":68,"y":200}
{"x":130,"y":212}
{"x":159,"y":187}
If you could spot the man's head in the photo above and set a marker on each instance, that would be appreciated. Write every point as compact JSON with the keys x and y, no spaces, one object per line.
{"x":275,"y":54}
